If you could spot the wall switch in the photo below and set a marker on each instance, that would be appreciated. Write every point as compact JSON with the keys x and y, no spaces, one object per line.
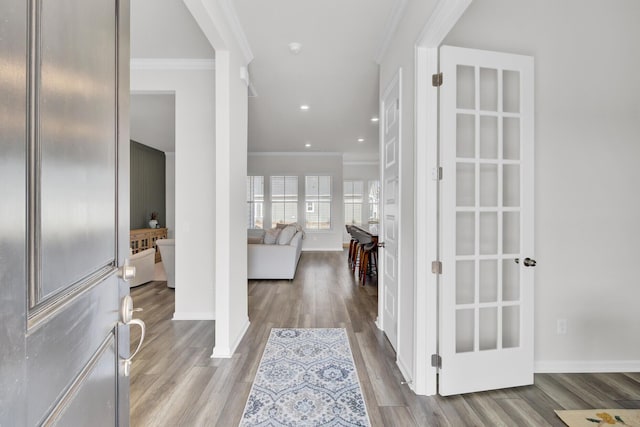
{"x":562,"y":327}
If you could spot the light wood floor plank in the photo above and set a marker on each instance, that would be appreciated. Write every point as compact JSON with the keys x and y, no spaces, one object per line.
{"x":174,"y":382}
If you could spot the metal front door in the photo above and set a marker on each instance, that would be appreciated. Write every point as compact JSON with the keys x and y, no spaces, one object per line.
{"x":390,"y":221}
{"x":64,"y":224}
{"x":486,"y":145}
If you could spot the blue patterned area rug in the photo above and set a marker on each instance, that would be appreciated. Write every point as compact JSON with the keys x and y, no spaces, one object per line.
{"x":306,"y":378}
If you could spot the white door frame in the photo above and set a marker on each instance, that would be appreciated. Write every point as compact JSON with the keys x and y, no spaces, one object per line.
{"x":444,"y":17}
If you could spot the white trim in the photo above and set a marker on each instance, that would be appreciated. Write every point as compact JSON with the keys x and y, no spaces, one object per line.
{"x":406,"y":373}
{"x":340,"y":249}
{"x":190,"y":315}
{"x":293,"y":153}
{"x":231,"y":17}
{"x":445,"y":15}
{"x":227,"y":353}
{"x":361,"y":163}
{"x":586,"y":366}
{"x":390,"y":29}
{"x":172,"y":64}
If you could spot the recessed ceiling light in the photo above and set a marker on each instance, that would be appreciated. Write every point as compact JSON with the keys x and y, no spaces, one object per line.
{"x":374,"y":119}
{"x":304,"y":107}
{"x":360,"y":139}
{"x":307,"y":145}
{"x":295,"y":48}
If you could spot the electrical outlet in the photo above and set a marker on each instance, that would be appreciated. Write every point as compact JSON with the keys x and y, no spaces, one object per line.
{"x":562,"y":327}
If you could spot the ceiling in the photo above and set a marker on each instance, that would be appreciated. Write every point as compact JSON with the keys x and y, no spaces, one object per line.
{"x":335,"y":72}
{"x":153,"y":120}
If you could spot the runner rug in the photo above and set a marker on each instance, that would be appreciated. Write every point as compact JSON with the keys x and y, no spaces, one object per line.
{"x":601,"y":417}
{"x":306,"y":377}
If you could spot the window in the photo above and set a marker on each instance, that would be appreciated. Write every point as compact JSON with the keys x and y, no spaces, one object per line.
{"x":284,"y":199}
{"x":255,"y":201}
{"x":374,"y":199}
{"x":318,"y":202}
{"x":353,"y":198}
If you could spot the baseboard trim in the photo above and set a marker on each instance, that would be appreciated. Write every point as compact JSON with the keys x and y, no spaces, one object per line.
{"x":227,"y":353}
{"x":405,"y":373}
{"x":187,"y":315}
{"x":585,"y":366}
{"x":322,"y":249}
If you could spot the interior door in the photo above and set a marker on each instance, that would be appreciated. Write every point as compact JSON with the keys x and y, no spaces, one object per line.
{"x":486,"y":145}
{"x":389,"y":219}
{"x":64,"y":221}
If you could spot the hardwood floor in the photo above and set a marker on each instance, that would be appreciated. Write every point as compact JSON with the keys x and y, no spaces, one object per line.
{"x":174,"y":382}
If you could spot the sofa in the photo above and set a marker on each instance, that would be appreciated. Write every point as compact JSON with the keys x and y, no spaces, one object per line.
{"x":274,"y":254}
{"x":144,"y":262}
{"x":167,"y":248}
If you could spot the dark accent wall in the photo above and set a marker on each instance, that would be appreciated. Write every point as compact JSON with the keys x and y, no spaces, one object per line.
{"x":147,"y":185}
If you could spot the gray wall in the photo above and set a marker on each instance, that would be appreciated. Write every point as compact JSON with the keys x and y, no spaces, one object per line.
{"x":147,"y":185}
{"x":587,"y":129}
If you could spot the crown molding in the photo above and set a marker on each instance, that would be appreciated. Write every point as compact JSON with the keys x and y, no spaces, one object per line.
{"x":231,"y":16}
{"x":293,"y":153}
{"x":445,"y":15}
{"x":391,"y":27}
{"x":172,"y":64}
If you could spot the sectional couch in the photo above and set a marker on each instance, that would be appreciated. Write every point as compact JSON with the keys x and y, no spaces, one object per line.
{"x":274,"y":254}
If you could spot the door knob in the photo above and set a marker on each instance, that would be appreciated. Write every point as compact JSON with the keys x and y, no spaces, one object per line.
{"x":126,"y":313}
{"x":528,"y":262}
{"x":381,"y":244}
{"x":127,"y":272}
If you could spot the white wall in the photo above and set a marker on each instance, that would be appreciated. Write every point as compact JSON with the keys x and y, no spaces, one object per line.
{"x":170,"y":193}
{"x":301,"y":164}
{"x":400,"y":54}
{"x":587,"y":206}
{"x":194,"y":183}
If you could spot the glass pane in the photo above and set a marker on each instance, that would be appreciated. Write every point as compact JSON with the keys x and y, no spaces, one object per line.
{"x":511,"y":138}
{"x":466,"y":87}
{"x":511,"y":326}
{"x":511,"y":91}
{"x":465,"y":184}
{"x":465,"y":233}
{"x":324,"y":188}
{"x":488,"y":185}
{"x":465,"y":330}
{"x":291,"y":188}
{"x":324,"y":216}
{"x":488,"y":233}
{"x":511,"y":233}
{"x":511,"y":185}
{"x":488,"y":137}
{"x":488,"y":339}
{"x":488,"y":89}
{"x":465,"y":282}
{"x":466,"y":135}
{"x":291,"y":212}
{"x":489,"y":280}
{"x":510,"y":280}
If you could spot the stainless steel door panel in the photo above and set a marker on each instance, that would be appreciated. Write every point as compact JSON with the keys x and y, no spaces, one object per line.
{"x":77,"y":126}
{"x":59,"y":349}
{"x":91,"y":401}
{"x":13,"y":81}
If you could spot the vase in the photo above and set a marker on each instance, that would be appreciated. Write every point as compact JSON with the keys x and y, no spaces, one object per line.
{"x":153,"y":223}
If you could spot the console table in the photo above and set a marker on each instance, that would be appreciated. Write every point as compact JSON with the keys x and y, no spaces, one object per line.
{"x":145,"y":238}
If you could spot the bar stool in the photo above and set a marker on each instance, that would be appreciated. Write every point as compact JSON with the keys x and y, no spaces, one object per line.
{"x":352,"y":245}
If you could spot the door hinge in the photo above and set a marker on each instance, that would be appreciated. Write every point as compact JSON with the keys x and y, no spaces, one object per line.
{"x":436,"y":174}
{"x":436,"y":267}
{"x":436,"y":361}
{"x":436,"y":80}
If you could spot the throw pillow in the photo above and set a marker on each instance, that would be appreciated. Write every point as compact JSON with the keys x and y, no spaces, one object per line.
{"x":271,"y":236}
{"x":286,"y":235}
{"x":281,"y":226}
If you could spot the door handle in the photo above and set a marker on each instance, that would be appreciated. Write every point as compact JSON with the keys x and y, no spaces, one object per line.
{"x":527,"y":262}
{"x":381,"y":244}
{"x":126,"y":313}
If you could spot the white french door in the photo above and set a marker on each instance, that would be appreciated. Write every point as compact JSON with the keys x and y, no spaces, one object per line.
{"x":486,"y":211}
{"x":389,"y":218}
